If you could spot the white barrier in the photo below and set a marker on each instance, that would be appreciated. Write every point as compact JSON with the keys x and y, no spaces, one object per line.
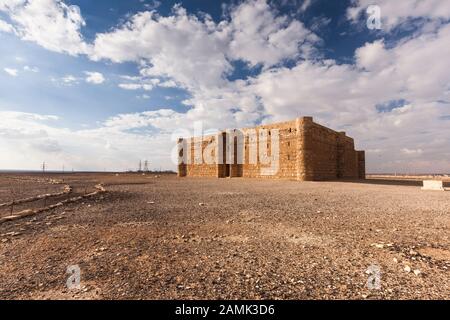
{"x":436,"y":185}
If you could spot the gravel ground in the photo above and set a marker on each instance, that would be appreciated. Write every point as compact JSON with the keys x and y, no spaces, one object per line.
{"x":15,"y":187}
{"x":160,"y":237}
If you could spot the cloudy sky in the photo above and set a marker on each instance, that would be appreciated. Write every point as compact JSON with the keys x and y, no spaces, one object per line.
{"x":100,"y":84}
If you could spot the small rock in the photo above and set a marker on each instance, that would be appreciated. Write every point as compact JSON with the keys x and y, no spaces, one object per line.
{"x":395,"y":260}
{"x":417,"y":272}
{"x":4,"y":240}
{"x":407,"y":269}
{"x":14,"y":234}
{"x":201,"y":204}
{"x":151,"y":202}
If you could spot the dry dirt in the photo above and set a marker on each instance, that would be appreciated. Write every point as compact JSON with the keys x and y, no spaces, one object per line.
{"x":162,"y":237}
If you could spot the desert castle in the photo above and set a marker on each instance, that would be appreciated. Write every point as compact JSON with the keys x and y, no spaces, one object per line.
{"x":299,"y":149}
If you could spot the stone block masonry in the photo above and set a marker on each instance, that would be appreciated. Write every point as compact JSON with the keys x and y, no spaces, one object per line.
{"x":299,"y":149}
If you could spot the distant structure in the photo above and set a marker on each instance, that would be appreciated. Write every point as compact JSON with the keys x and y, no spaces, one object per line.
{"x":43,"y":167}
{"x":307,"y":151}
{"x":146,"y":166}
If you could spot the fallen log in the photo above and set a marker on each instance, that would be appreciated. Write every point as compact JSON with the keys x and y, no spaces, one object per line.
{"x":67,"y":189}
{"x":29,"y":212}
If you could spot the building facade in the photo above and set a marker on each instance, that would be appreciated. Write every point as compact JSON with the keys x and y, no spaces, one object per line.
{"x":299,"y":149}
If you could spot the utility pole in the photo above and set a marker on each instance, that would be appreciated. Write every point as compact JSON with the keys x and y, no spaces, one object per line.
{"x":140,"y":166}
{"x":43,"y":167}
{"x":146,"y":165}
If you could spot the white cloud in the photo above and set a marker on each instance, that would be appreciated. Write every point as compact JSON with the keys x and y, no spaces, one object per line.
{"x":412,"y":151}
{"x":29,"y":139}
{"x":11,"y":71}
{"x":195,"y":52}
{"x":163,"y":119}
{"x":135,"y":86}
{"x":180,"y":46}
{"x":31,"y":69}
{"x":395,"y":13}
{"x":305,"y":5}
{"x":67,"y":80}
{"x":259,"y":36}
{"x":6,"y":27}
{"x":168,"y":84}
{"x":52,"y":24}
{"x":94,"y":77}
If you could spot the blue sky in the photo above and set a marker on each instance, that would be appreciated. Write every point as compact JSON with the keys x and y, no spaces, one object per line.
{"x":83,"y":104}
{"x":102,"y":84}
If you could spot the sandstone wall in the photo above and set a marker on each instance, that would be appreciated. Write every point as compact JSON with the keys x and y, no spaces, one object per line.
{"x":348,"y":158}
{"x":197,"y":167}
{"x":307,"y":151}
{"x":321,"y":151}
{"x":361,"y":164}
{"x":288,"y":145}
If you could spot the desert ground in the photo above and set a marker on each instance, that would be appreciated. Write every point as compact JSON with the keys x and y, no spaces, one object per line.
{"x":161,"y":237}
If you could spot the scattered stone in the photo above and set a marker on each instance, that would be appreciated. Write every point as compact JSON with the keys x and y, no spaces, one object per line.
{"x":201,"y":204}
{"x":151,"y":202}
{"x":417,"y":272}
{"x":407,"y":269}
{"x":13,"y":234}
{"x":395,"y":260}
{"x":381,"y":245}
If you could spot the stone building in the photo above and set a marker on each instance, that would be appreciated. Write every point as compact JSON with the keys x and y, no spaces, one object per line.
{"x":299,"y":149}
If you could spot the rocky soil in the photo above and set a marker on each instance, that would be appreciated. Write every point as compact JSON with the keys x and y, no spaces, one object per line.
{"x":160,"y":237}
